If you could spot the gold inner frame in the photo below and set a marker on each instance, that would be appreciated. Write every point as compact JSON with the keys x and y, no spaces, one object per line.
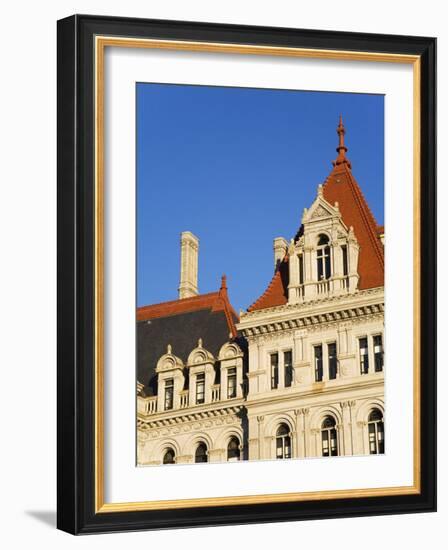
{"x":101,"y":42}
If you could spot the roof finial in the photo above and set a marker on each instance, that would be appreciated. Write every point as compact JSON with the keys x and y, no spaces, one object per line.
{"x":223,"y":282}
{"x":169,"y":349}
{"x":341,"y":148}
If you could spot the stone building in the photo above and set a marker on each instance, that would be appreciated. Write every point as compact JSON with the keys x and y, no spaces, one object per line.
{"x":300,"y":373}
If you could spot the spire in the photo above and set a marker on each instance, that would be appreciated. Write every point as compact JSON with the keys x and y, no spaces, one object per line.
{"x":341,"y":148}
{"x":223,"y":288}
{"x":223,"y":284}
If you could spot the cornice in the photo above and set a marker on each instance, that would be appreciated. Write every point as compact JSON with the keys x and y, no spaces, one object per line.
{"x":299,"y":316}
{"x":190,"y":414}
{"x":309,"y":391}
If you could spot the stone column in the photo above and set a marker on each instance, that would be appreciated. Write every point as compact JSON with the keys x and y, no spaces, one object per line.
{"x":184,"y":459}
{"x":362,"y":438}
{"x":316,"y":448}
{"x":326,"y":370}
{"x":253,"y":450}
{"x":346,"y":436}
{"x":260,"y":421}
{"x":352,"y":405}
{"x":305,"y":432}
{"x":281,"y":369}
{"x":263,"y":368}
{"x":298,"y":431}
{"x":268,"y":445}
{"x":216,"y":455}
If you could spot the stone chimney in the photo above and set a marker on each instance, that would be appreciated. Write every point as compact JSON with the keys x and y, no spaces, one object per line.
{"x":280,"y":249}
{"x":189,"y":246}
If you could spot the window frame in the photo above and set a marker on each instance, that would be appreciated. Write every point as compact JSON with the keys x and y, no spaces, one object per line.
{"x":378,"y":442}
{"x":364,"y":363}
{"x":330,"y":359}
{"x":375,"y":354}
{"x":200,"y":383}
{"x":231,"y":376}
{"x":328,"y":431}
{"x":199,"y":445}
{"x":168,"y":387}
{"x":323,"y":258}
{"x":318,"y":367}
{"x":274,"y":370}
{"x":165,"y":452}
{"x":233,"y":459}
{"x":286,"y":442}
{"x":288,"y":369}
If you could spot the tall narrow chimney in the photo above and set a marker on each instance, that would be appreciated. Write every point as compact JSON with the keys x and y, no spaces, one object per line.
{"x":189,"y":246}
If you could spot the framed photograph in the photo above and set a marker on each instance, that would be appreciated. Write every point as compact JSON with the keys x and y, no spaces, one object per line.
{"x":246,"y":274}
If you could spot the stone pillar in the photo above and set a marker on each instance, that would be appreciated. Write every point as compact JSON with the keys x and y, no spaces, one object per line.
{"x":184,"y":459}
{"x":253,"y":447}
{"x":353,"y":254}
{"x":281,"y":369}
{"x":346,"y":435}
{"x":253,"y":367}
{"x":261,"y":452}
{"x":371,"y":354}
{"x":347,"y":355}
{"x":280,"y":248}
{"x":217,"y":455}
{"x":362,"y":439}
{"x":189,"y":247}
{"x":301,"y":447}
{"x":264,"y":378}
{"x":326,"y":370}
{"x":338,"y":273}
{"x":316,"y":447}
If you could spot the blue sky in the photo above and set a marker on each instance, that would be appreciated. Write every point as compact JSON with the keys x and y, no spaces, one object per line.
{"x":236,"y":166}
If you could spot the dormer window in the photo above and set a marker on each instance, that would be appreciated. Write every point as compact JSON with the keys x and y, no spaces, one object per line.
{"x":323,"y":258}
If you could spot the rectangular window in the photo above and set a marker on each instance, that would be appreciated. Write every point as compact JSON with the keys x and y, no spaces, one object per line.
{"x":378,"y":352}
{"x":231,"y":383}
{"x":300,"y":269}
{"x":344,"y":260}
{"x":332,"y":361}
{"x":318,"y":365}
{"x":320,"y":266}
{"x":364,"y":355}
{"x":169,"y":394}
{"x":323,"y":263}
{"x":287,"y":361}
{"x":200,"y":388}
{"x":274,"y":371}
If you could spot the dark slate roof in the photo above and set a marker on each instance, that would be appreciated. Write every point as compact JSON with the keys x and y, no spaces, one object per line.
{"x":182,"y":331}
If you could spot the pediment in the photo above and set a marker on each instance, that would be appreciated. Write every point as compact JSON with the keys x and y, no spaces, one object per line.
{"x":320,"y":210}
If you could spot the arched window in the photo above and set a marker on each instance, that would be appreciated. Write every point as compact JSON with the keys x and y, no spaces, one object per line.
{"x":283,"y":442}
{"x":376,"y":432}
{"x":233,"y":450}
{"x":323,"y":258}
{"x":201,"y":453}
{"x":329,"y":437}
{"x":169,"y":457}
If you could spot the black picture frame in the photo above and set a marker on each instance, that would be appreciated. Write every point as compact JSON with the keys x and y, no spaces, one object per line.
{"x":76,"y":255}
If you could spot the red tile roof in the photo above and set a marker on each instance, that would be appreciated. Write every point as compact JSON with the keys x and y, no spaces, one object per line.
{"x":340,"y":186}
{"x":277,"y":292}
{"x":215,"y":301}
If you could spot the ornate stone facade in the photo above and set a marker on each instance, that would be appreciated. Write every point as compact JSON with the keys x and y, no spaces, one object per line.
{"x":304,"y":374}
